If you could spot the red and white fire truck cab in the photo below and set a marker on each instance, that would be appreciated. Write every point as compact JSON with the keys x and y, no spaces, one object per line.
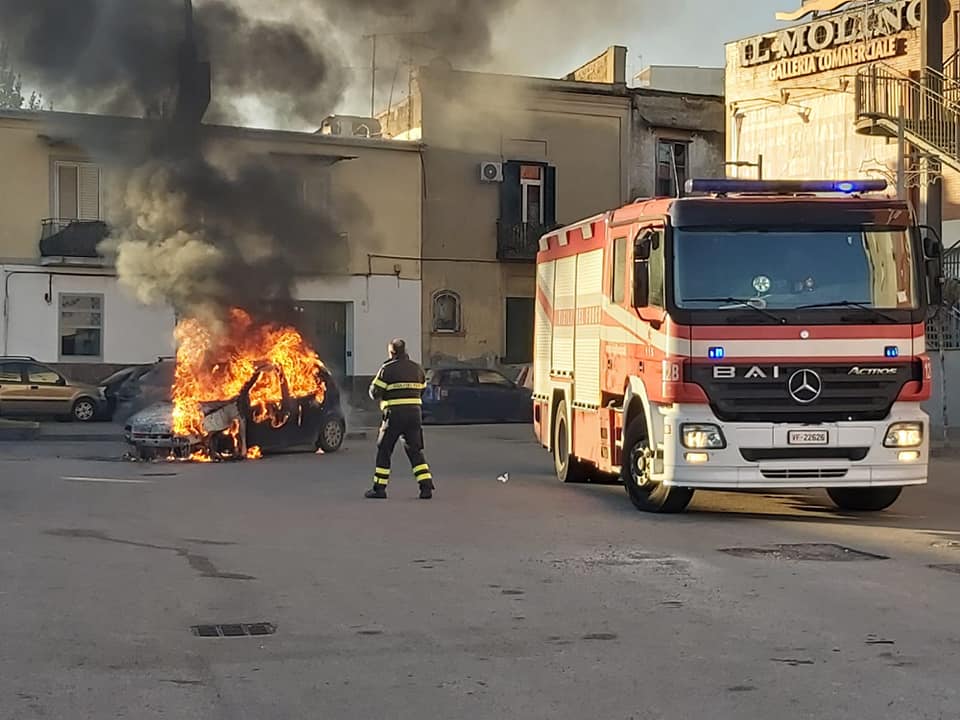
{"x":752,"y":335}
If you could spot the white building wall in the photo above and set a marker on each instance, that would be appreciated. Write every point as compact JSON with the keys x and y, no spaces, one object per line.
{"x":132,"y":333}
{"x":383,"y":308}
{"x":680,"y":78}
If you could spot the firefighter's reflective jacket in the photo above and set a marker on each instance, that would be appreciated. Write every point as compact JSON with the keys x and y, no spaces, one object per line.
{"x":400,"y":382}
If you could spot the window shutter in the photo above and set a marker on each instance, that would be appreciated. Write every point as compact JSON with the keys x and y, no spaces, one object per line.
{"x":550,"y":197}
{"x":89,"y":192}
{"x":67,"y":192}
{"x":511,"y":212}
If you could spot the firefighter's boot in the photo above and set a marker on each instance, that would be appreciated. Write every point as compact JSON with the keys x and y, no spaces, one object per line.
{"x":426,"y":489}
{"x":377,"y":492}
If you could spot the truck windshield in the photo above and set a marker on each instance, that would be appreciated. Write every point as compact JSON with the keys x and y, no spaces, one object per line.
{"x":789,"y":270}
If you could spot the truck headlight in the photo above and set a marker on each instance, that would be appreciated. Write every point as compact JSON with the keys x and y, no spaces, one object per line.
{"x":904,"y":435}
{"x":702,"y":437}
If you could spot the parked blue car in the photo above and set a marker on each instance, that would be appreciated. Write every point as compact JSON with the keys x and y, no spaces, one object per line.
{"x":474,"y":395}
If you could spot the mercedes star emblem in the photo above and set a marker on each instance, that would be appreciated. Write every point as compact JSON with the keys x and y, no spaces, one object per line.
{"x":805,"y":386}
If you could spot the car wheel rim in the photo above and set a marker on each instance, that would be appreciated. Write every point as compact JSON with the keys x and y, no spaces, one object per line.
{"x":333,"y":434}
{"x":84,"y":411}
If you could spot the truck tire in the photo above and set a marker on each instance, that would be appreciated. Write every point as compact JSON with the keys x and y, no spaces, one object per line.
{"x":872,"y":499}
{"x":645,"y":494}
{"x":569,"y":469}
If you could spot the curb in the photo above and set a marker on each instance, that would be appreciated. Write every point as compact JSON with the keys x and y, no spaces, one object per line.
{"x":16,"y":431}
{"x":32,"y":434}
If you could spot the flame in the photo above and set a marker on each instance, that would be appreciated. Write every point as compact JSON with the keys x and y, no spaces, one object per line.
{"x":254,"y":453}
{"x":217,"y":366}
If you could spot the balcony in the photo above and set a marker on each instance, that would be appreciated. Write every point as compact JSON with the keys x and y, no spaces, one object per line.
{"x":519,"y":242}
{"x":72,"y":238}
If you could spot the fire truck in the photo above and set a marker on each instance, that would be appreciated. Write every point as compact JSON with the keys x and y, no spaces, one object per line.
{"x":751,"y":335}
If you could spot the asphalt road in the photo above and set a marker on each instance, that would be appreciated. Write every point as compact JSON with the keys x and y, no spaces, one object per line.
{"x":518,"y":599}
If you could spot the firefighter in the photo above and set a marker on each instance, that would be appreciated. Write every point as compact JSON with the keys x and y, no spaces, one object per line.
{"x":398,"y":386}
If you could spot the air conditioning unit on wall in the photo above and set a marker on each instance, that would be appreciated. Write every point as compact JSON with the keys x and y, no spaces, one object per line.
{"x":491,"y":171}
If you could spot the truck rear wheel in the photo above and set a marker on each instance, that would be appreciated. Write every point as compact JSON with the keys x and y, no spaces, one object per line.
{"x":569,"y":469}
{"x":871,"y":499}
{"x":645,"y":494}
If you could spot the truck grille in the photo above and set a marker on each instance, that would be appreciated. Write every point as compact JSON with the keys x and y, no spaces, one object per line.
{"x":802,"y":474}
{"x":762,"y":393}
{"x":853,"y":454}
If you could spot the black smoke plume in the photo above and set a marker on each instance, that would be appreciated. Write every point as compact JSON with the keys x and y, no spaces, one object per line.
{"x":192,"y":226}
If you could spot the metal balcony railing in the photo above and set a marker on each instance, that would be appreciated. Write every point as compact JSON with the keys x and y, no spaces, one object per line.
{"x":519,"y":242}
{"x":931,"y":120}
{"x":64,"y":237}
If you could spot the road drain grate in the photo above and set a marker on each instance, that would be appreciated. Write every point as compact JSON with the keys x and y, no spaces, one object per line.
{"x":234,"y":629}
{"x":823,"y":552}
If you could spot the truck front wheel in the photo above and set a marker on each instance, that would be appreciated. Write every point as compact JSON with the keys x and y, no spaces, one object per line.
{"x":871,"y":499}
{"x":569,"y":469}
{"x":646,"y":494}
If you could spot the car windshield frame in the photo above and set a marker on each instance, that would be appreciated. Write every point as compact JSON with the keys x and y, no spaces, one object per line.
{"x":836,"y":311}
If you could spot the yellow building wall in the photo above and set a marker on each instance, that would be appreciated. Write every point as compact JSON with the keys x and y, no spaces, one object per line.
{"x":468,"y":119}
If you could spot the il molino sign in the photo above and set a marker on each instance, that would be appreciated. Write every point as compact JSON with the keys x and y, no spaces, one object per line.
{"x":863,"y":35}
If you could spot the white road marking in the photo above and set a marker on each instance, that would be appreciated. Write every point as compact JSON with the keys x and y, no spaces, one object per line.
{"x":108,"y":480}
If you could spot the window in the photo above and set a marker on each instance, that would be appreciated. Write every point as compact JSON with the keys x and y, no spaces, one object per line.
{"x":656,"y":271}
{"x":446,"y":312}
{"x":671,"y":167}
{"x":618,"y":283}
{"x":531,"y":194}
{"x":76,"y":192}
{"x":10,"y":373}
{"x":81,"y":326}
{"x":528,"y":194}
{"x":39,"y":375}
{"x":490,"y":377}
{"x":458,"y":377}
{"x":519,"y":330}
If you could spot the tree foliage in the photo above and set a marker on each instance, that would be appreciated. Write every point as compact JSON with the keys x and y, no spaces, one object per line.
{"x":11,"y":86}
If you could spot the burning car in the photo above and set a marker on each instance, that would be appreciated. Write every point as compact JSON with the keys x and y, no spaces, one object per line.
{"x":231,"y":429}
{"x":246,"y":390}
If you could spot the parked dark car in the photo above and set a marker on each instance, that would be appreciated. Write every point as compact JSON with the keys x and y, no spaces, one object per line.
{"x":474,"y":395}
{"x":112,"y":385}
{"x":143,"y":389}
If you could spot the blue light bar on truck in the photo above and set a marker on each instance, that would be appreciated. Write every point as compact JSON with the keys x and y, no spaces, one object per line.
{"x":784,"y":187}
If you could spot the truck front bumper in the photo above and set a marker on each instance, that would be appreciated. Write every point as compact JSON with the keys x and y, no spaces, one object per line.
{"x":760,"y":456}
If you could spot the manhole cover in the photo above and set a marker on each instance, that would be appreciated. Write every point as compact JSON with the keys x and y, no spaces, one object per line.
{"x":234,"y":629}
{"x":947,"y":567}
{"x":824,"y":552}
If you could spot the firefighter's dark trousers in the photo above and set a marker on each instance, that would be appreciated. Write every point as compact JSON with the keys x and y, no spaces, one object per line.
{"x":406,"y":423}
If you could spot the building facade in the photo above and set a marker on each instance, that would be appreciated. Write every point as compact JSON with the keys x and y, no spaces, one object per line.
{"x":843,"y":92}
{"x":792,"y":97}
{"x":65,"y":306}
{"x":506,"y":158}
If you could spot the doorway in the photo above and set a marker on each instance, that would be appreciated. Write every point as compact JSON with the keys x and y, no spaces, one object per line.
{"x":327,"y":327}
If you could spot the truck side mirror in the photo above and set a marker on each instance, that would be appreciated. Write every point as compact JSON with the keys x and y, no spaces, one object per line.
{"x":932,"y":248}
{"x":934,"y":282}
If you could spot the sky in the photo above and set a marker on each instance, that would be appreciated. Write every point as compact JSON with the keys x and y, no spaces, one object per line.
{"x":529,"y":41}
